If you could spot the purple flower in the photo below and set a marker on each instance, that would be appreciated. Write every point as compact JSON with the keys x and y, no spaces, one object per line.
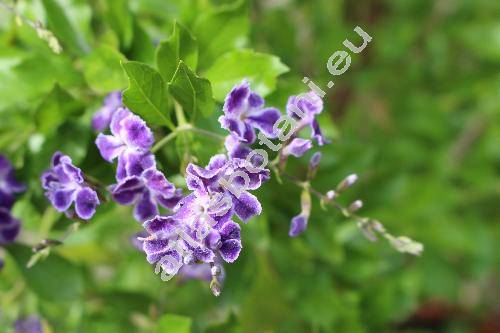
{"x":64,"y":184}
{"x":305,"y":108}
{"x":102,"y":118}
{"x":146,"y":192}
{"x":231,"y":179}
{"x":297,"y":147}
{"x":244,"y":112}
{"x":30,"y":324}
{"x":315,"y":160}
{"x":9,"y":226}
{"x":130,"y":142}
{"x":298,"y":225}
{"x":8,"y":184}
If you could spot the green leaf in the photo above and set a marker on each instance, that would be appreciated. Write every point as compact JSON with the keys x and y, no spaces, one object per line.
{"x":147,"y":94}
{"x":260,"y":69}
{"x":179,"y":46}
{"x":172,"y":323}
{"x":55,"y":109}
{"x":53,"y":279}
{"x":221,"y":30}
{"x":142,"y":48}
{"x":193,"y":93}
{"x":120,"y":19}
{"x":102,"y":69}
{"x":61,"y":26}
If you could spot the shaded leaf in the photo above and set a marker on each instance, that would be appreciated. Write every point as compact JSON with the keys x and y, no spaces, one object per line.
{"x":221,"y":30}
{"x":102,"y":69}
{"x":258,"y":68}
{"x":147,"y":93}
{"x":61,"y":26}
{"x":193,"y":93}
{"x":179,"y":46}
{"x":55,"y":108}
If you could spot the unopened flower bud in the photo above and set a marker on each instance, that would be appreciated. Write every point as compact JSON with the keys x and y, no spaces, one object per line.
{"x":406,"y":245}
{"x":315,"y":160}
{"x":355,"y":206}
{"x":347,"y":182}
{"x":330,"y":195}
{"x":215,"y":287}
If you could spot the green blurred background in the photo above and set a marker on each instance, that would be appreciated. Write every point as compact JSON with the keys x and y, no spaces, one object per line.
{"x":417,"y":116}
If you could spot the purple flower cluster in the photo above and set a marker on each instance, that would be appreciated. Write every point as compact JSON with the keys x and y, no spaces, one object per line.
{"x":64,"y":184}
{"x":139,"y":182}
{"x":200,"y":232}
{"x":9,"y":186}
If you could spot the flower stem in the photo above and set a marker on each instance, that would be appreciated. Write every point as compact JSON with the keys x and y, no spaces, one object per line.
{"x":184,"y":128}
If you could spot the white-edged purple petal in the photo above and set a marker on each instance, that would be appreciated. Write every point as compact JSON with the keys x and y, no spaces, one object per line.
{"x":109,"y":146}
{"x":135,"y":133}
{"x":162,"y":226}
{"x":128,"y":191}
{"x":61,"y":199}
{"x":246,"y":206}
{"x":145,"y":208}
{"x":86,"y":202}
{"x":237,"y":98}
{"x":264,"y":120}
{"x":116,"y":120}
{"x":230,"y":250}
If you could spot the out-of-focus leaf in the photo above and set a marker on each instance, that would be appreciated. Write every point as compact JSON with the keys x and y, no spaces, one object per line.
{"x":142,"y":48}
{"x":61,"y":26}
{"x":221,"y":30}
{"x":55,"y":108}
{"x":147,"y":94}
{"x":102,"y":69}
{"x":172,"y":323}
{"x":53,"y":279}
{"x":259,"y":68}
{"x":179,"y":46}
{"x":120,"y":19}
{"x":193,"y":93}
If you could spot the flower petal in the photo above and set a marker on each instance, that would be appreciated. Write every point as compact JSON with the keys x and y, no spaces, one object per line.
{"x":297,"y":147}
{"x":128,"y":190}
{"x":264,"y":120}
{"x":62,"y":199}
{"x":236,"y":99}
{"x":230,"y":250}
{"x":246,"y":206}
{"x":86,"y":202}
{"x":145,"y":208}
{"x":109,"y":146}
{"x":298,"y":225}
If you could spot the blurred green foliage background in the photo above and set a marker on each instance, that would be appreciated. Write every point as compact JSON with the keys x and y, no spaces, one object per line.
{"x":417,"y":116}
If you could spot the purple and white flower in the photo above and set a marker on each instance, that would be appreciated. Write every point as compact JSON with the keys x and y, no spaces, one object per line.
{"x":8,"y":183}
{"x":64,"y":185}
{"x":102,"y":118}
{"x":305,"y":108}
{"x":130,"y":142}
{"x":244,"y":112}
